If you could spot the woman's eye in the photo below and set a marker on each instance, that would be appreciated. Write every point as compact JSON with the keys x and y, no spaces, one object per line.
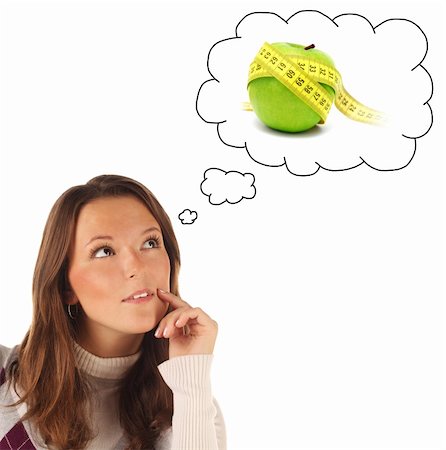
{"x":103,"y":252}
{"x":150,"y":243}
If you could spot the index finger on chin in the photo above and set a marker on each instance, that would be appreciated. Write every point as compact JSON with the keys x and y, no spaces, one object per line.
{"x":172,"y":299}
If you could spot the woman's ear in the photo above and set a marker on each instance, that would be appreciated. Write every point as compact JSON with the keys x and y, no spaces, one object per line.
{"x":69,"y":297}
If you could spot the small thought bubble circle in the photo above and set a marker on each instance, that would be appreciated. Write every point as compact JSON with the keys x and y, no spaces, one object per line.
{"x":188,"y":217}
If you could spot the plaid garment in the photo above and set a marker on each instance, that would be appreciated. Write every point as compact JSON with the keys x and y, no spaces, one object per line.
{"x":17,"y":439}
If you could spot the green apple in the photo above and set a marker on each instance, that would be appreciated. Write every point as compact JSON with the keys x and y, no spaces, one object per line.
{"x":275,"y":105}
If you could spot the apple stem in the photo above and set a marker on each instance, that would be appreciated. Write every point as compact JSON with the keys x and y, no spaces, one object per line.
{"x":309,"y":46}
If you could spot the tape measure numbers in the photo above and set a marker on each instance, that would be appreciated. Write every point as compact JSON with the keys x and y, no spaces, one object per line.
{"x":302,"y":76}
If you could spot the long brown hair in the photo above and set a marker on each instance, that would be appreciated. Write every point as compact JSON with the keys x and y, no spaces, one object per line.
{"x":55,"y":391}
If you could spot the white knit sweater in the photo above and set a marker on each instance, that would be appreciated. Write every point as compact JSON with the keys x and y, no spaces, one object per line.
{"x":197,"y":422}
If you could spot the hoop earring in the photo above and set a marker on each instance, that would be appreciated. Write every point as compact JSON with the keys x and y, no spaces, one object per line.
{"x":73,"y":317}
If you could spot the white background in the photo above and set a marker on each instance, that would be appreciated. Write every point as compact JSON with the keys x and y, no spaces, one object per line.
{"x":328,"y":289}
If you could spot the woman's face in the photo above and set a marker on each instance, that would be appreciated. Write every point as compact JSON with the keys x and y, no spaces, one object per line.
{"x":117,"y":262}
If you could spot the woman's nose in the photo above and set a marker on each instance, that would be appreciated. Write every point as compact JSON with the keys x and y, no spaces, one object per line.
{"x":133,"y":264}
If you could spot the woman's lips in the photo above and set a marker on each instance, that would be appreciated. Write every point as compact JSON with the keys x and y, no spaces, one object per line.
{"x":141,"y":296}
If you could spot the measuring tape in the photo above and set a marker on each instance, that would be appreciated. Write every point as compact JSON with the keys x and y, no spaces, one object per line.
{"x":302,"y":77}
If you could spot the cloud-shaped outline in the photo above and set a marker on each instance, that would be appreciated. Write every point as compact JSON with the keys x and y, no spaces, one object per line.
{"x":245,"y":146}
{"x":229,"y":171}
{"x":187,"y":223}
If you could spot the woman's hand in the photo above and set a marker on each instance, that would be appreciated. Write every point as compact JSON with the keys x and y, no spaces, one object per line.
{"x":190,"y":330}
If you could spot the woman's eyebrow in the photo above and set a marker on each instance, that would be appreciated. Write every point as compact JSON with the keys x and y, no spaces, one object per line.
{"x":110,"y":238}
{"x":94,"y":238}
{"x":151,"y":229}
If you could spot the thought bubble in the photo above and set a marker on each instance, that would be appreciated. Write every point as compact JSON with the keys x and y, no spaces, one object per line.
{"x":231,"y":187}
{"x":188,"y":217}
{"x":380,"y":66}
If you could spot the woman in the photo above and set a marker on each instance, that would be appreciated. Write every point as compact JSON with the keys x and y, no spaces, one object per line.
{"x":114,"y":358}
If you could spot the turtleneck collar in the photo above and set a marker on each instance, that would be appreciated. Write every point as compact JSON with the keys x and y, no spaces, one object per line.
{"x":109,"y":368}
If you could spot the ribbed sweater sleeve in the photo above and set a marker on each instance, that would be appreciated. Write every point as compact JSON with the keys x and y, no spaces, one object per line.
{"x":197,"y":423}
